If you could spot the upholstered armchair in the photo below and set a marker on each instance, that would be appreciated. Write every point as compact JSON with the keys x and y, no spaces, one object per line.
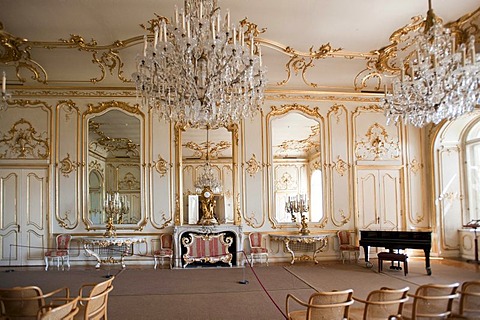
{"x":257,"y":248}
{"x":346,"y":245}
{"x":165,"y":251}
{"x":61,"y":251}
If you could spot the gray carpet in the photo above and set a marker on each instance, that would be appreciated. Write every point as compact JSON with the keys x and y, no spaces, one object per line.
{"x":218,"y":293}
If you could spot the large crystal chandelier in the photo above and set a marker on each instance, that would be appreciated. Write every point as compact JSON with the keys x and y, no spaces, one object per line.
{"x":439,"y":80}
{"x":200,"y":69}
{"x":206,"y":178}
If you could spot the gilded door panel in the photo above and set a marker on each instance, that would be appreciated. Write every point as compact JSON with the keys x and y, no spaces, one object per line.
{"x":367,"y":199}
{"x":23,"y":215}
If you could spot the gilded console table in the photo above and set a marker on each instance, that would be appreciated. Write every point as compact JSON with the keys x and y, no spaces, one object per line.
{"x":110,"y":249}
{"x":311,"y":239}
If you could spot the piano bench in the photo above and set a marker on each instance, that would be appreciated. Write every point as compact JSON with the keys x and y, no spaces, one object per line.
{"x":391,"y":256}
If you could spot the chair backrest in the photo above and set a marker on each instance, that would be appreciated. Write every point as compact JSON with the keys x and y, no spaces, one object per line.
{"x":434,"y":300}
{"x":26,"y":301}
{"x":344,"y":237}
{"x":166,"y":241}
{"x":330,"y":305}
{"x":63,"y":241}
{"x":94,"y":305}
{"x":383,"y":303}
{"x":255,"y":239}
{"x":470,"y":298}
{"x":66,"y":311}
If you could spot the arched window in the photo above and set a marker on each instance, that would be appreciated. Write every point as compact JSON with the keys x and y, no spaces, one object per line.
{"x":472,"y":170}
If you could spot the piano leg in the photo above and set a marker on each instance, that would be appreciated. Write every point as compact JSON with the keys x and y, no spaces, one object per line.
{"x":368,"y":264}
{"x":427,"y":261}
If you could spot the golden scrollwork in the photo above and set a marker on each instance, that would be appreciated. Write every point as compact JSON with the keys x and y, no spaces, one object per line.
{"x":161,"y":165}
{"x":377,"y":145}
{"x":112,"y":144}
{"x":214,"y":149}
{"x":64,"y":222}
{"x":340,"y":166}
{"x":67,"y":165}
{"x":286,"y":182}
{"x":252,"y":166}
{"x":129,"y":182}
{"x":343,"y":221}
{"x":251,"y":220}
{"x":23,"y":141}
{"x":102,"y":106}
{"x":415,"y":166}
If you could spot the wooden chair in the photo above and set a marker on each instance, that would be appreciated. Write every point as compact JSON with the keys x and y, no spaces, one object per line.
{"x":322,"y":306}
{"x":61,"y":251}
{"x":55,"y":311}
{"x":165,"y":251}
{"x":346,"y":245}
{"x":469,"y":305}
{"x":385,"y":303}
{"x":431,"y":301}
{"x":93,"y":300}
{"x":257,"y":249}
{"x":24,"y":302}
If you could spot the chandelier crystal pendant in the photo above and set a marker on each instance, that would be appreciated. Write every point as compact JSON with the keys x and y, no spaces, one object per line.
{"x":201,"y":70}
{"x":438,"y":80}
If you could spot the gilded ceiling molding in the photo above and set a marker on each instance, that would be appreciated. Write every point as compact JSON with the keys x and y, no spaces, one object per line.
{"x":67,"y":166}
{"x":377,"y":145}
{"x":401,"y":41}
{"x":22,"y":141}
{"x":296,"y":95}
{"x":253,"y":166}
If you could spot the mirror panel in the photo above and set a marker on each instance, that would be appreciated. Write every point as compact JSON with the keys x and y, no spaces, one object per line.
{"x":294,"y":150}
{"x":193,"y":154}
{"x":114,"y":157}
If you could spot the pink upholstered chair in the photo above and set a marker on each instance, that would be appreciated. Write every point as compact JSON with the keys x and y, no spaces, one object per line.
{"x":61,"y":251}
{"x":346,"y":245}
{"x":165,"y":251}
{"x":256,"y":247}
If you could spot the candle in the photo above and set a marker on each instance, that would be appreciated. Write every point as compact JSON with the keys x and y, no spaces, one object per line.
{"x":201,"y":10}
{"x":4,"y":83}
{"x":234,"y":36}
{"x":188,"y":29}
{"x":176,"y":16}
{"x":213,"y":30}
{"x":251,"y":45}
{"x":260,"y":55}
{"x":228,"y":20}
{"x":164,"y":32}
{"x":155,"y":39}
{"x":145,"y":45}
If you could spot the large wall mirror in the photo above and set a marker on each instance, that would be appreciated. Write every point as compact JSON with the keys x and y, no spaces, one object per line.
{"x":114,"y":174}
{"x":295,"y":174}
{"x":206,"y":153}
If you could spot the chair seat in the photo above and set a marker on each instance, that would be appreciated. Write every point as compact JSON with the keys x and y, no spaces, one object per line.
{"x":349,"y":247}
{"x":56,"y":253}
{"x":163,"y":252}
{"x":259,"y":250}
{"x":298,"y":315}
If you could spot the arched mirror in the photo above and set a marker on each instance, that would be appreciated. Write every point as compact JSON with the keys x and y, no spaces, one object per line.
{"x":114,"y":175}
{"x":296,"y":175}
{"x":206,"y":173}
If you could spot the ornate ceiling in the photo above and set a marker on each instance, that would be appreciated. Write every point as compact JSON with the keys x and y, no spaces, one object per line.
{"x":328,"y":46}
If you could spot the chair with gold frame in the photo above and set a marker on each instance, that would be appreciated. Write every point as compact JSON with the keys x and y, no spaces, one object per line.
{"x":431,"y":301}
{"x":165,"y":251}
{"x":93,"y":300}
{"x":61,"y":251}
{"x":25,"y":302}
{"x":65,"y":311}
{"x":346,"y":245}
{"x":257,"y":249}
{"x":329,"y":305}
{"x":385,"y":303}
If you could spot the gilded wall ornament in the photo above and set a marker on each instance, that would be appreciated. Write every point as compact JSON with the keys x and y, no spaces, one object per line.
{"x":343,"y":221}
{"x":286,"y":182}
{"x":251,"y":220}
{"x":252,"y":166}
{"x":112,"y":144}
{"x":415,"y":166}
{"x":377,"y":145}
{"x":340,"y":166}
{"x":23,"y":141}
{"x":67,"y":165}
{"x":65,"y":222}
{"x":161,"y":165}
{"x":129,"y":182}
{"x":214,"y":149}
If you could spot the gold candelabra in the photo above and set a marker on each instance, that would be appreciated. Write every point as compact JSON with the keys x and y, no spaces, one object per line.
{"x":298,"y":205}
{"x":115,"y":206}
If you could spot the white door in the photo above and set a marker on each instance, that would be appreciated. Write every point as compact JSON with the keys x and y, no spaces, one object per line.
{"x":379,"y":199}
{"x":23,"y":212}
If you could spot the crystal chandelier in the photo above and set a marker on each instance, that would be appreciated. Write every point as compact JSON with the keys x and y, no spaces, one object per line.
{"x":438,"y":80}
{"x":5,"y":95}
{"x":206,"y":177}
{"x":200,"y":70}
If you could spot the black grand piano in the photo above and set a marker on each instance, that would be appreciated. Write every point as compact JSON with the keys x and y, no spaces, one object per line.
{"x":395,"y":240}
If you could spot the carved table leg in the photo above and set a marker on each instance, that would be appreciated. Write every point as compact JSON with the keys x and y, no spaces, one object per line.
{"x":92,"y":252}
{"x":287,"y":245}
{"x":324,"y":242}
